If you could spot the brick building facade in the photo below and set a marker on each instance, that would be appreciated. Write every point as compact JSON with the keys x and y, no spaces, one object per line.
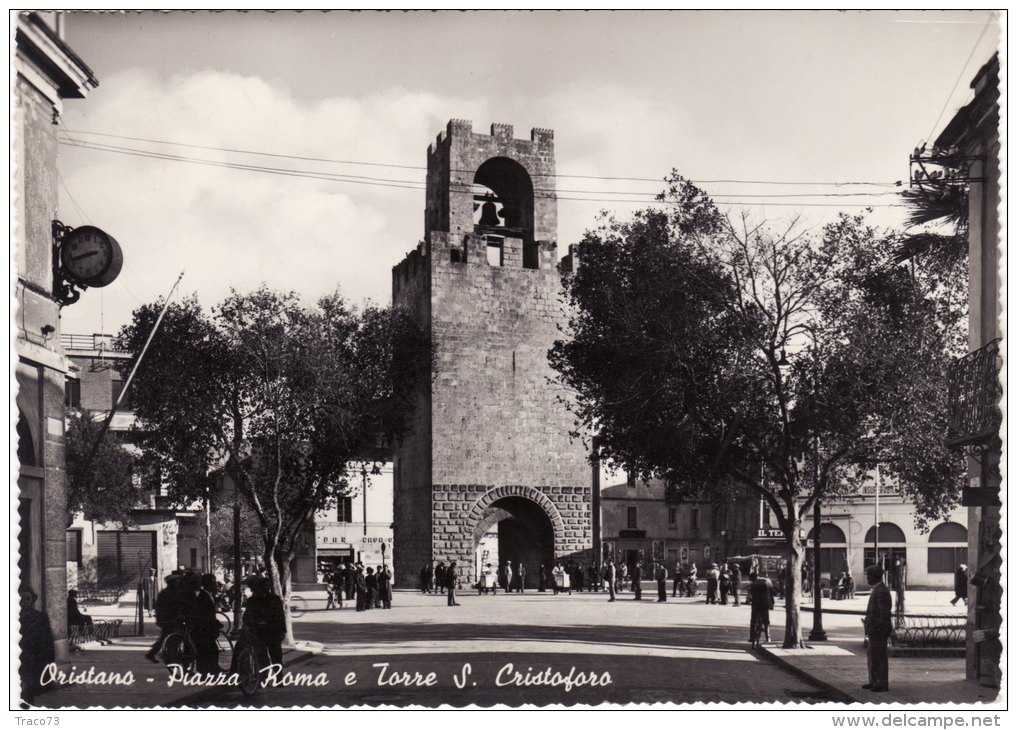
{"x":490,"y":449}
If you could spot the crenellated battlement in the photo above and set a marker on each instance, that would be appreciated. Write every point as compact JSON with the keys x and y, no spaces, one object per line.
{"x":414,"y":264}
{"x":465,"y":169}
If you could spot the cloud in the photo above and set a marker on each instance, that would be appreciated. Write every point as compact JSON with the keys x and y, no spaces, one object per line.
{"x":231,"y":228}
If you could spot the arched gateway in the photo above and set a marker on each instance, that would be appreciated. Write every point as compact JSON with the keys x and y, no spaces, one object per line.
{"x":489,"y":464}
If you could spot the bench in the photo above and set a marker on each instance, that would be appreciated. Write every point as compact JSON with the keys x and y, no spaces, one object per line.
{"x":101,"y":631}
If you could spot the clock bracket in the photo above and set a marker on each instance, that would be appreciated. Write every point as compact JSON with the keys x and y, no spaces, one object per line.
{"x":65,"y":289}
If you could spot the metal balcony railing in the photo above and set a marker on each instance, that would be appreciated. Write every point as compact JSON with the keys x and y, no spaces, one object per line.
{"x":975,"y":417}
{"x":100,"y":342}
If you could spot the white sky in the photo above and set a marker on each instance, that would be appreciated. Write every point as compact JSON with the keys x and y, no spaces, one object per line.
{"x":763,"y":96}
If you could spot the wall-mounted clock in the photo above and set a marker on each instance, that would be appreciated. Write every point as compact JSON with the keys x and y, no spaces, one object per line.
{"x":91,"y":256}
{"x":83,"y":257}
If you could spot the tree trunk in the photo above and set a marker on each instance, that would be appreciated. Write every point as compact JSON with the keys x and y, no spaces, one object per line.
{"x":793,"y":589}
{"x":285,"y":579}
{"x":279,"y":575}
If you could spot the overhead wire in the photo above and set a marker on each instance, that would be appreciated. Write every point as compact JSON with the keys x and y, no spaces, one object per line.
{"x":422,"y":167}
{"x":648,"y":197}
{"x":960,"y":76}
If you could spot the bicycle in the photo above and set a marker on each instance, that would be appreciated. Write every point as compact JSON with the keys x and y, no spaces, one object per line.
{"x":296,"y":605}
{"x":179,"y":648}
{"x":252,"y":657}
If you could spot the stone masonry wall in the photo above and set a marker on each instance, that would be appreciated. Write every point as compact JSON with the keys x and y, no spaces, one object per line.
{"x":497,"y":423}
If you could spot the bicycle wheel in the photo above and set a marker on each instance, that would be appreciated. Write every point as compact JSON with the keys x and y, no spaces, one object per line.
{"x":297,"y":606}
{"x":224,"y":647}
{"x":224,"y":618}
{"x":247,"y":671}
{"x":179,"y":649}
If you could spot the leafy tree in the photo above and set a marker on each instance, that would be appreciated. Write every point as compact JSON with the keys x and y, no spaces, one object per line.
{"x":283,"y":398}
{"x":718,"y":354}
{"x":102,"y":489}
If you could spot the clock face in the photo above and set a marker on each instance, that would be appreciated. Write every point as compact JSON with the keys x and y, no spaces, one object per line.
{"x":91,"y":256}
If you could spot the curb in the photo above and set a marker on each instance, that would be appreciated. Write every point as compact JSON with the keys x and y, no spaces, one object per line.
{"x":838,"y":695}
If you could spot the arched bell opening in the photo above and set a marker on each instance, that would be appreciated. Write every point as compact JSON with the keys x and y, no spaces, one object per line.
{"x":503,"y":208}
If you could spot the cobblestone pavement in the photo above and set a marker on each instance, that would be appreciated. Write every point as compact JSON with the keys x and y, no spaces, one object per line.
{"x":676,"y":652}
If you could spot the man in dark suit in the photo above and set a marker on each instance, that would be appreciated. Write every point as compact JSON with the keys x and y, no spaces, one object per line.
{"x":452,"y":582}
{"x":661,"y":575}
{"x":637,"y":581}
{"x":878,"y":624}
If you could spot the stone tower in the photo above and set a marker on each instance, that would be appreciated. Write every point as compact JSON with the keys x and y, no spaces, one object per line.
{"x":489,"y":469}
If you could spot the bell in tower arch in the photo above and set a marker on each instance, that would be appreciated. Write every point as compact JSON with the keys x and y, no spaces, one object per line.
{"x":489,"y":212}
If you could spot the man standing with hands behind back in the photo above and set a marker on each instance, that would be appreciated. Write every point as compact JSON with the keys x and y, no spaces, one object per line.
{"x":878,"y":624}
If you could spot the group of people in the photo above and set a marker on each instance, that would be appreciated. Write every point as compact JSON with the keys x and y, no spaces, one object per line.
{"x":189,"y":599}
{"x":722,"y":582}
{"x":440,"y":579}
{"x":367,"y":587}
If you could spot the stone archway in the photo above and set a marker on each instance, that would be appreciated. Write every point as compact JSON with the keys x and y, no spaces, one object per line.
{"x":527,"y":526}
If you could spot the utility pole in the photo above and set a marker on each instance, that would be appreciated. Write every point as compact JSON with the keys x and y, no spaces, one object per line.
{"x":595,"y":505}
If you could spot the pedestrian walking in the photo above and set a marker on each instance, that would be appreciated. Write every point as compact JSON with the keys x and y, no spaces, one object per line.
{"x":637,"y":580}
{"x":761,"y":600}
{"x":661,"y":575}
{"x":522,"y":577}
{"x":423,"y":580}
{"x":542,"y":579}
{"x":679,"y":577}
{"x":577,"y":579}
{"x":610,"y":576}
{"x":736,"y":579}
{"x":878,"y":625}
{"x":960,"y":585}
{"x":594,"y":578}
{"x":623,"y":576}
{"x":452,"y":582}
{"x":558,"y":579}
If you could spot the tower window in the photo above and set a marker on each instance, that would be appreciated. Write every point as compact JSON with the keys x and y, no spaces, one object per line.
{"x":495,"y":252}
{"x":531,"y":255}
